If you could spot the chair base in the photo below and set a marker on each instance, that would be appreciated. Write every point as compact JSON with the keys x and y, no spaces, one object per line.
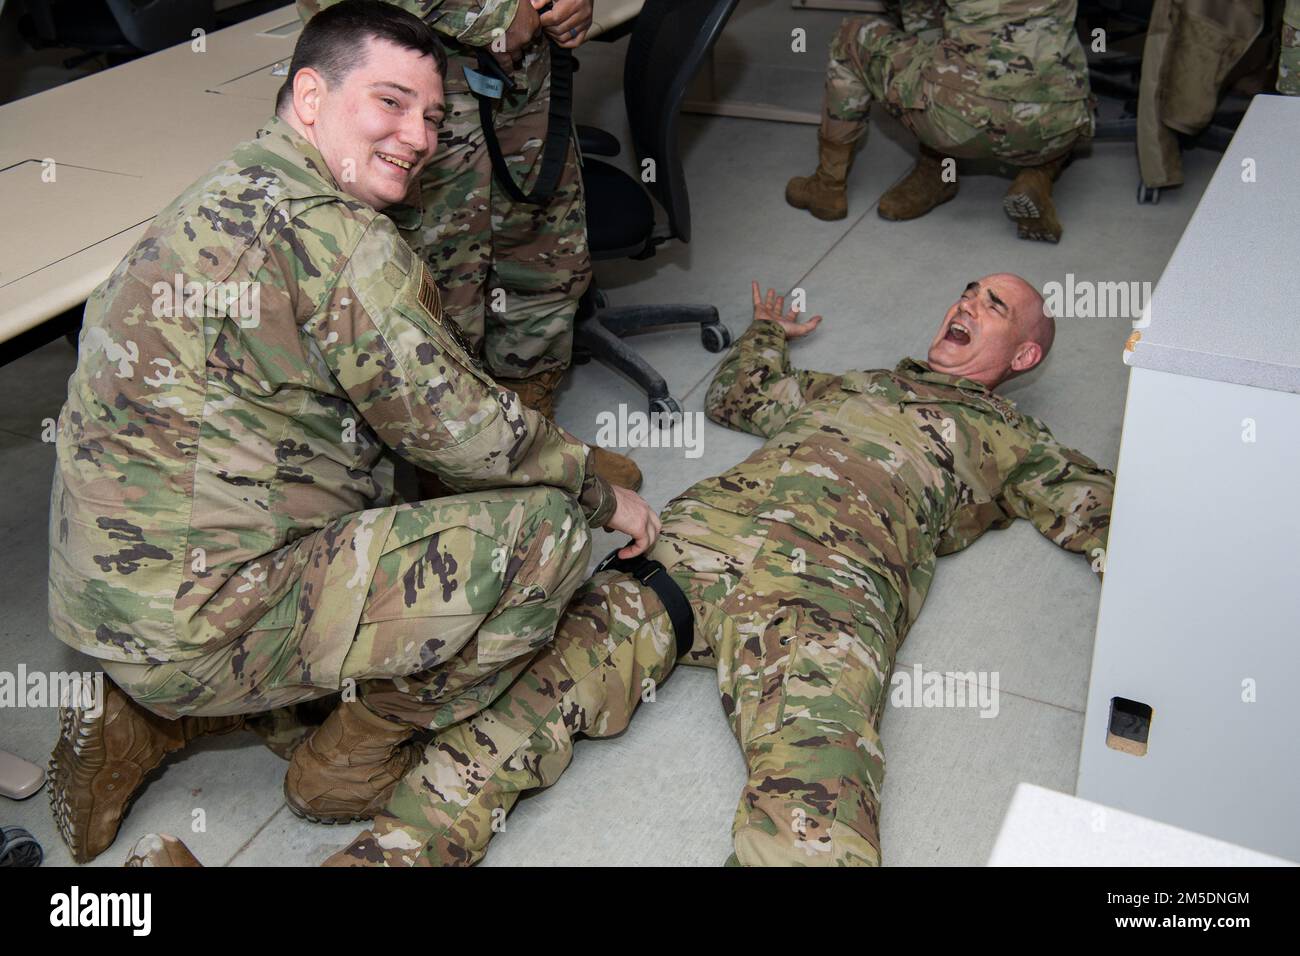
{"x":601,"y":328}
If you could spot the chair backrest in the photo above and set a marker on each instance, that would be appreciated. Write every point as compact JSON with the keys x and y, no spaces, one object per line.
{"x":668,"y":44}
{"x":152,"y":25}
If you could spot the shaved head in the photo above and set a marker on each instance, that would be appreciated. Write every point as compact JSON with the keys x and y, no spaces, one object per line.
{"x":999,"y":328}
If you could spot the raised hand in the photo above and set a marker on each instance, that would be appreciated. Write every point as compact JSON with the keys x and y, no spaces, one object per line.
{"x":771,"y":308}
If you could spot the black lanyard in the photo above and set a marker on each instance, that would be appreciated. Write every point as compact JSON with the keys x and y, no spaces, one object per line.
{"x":559,"y":126}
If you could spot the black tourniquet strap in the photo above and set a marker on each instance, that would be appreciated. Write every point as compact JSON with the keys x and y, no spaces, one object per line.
{"x":559,"y":127}
{"x":656,"y":577}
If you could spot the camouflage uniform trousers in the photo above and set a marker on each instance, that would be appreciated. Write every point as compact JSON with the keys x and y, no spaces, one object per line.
{"x":871,"y":59}
{"x":803,"y":641}
{"x":477,"y":240}
{"x":467,"y":589}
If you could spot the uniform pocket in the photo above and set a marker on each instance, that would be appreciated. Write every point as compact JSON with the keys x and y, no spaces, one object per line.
{"x":164,"y":689}
{"x":500,"y":646}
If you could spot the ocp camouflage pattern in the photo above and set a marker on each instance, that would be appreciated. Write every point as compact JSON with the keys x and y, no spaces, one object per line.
{"x":805,"y":566}
{"x":212,"y":459}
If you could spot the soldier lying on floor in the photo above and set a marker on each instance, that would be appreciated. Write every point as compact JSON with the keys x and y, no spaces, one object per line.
{"x":804,"y":566}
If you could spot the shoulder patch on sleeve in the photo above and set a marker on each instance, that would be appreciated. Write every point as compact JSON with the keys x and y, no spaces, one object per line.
{"x":429,"y":297}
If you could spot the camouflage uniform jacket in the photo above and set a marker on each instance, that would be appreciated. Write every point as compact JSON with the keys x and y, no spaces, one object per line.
{"x":894,"y":468}
{"x":1020,"y":50}
{"x":207,"y":436}
{"x":472,"y":22}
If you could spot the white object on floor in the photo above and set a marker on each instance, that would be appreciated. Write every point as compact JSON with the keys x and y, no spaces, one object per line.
{"x":1046,"y":828}
{"x":19,"y":778}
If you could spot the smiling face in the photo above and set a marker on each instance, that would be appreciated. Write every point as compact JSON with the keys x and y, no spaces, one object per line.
{"x":996,"y":330}
{"x":376,"y":126}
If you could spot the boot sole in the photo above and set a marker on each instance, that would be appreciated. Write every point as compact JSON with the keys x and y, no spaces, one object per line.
{"x":327,"y":821}
{"x":1024,"y":212}
{"x":74,"y":752}
{"x":1018,"y":206}
{"x":78,"y":758}
{"x":324,"y":819}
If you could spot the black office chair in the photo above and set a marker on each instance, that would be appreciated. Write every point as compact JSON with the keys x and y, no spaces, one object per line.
{"x":119,"y":30}
{"x":668,"y":44}
{"x":122,"y":30}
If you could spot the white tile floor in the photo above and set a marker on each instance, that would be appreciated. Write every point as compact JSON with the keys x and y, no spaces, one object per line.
{"x":665,"y":791}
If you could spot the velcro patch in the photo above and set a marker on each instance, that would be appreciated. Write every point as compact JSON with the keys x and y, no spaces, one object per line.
{"x":429,"y":296}
{"x":431,"y":301}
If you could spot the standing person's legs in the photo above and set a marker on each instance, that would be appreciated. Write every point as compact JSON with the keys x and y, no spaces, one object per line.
{"x":540,"y":261}
{"x":455,"y":236}
{"x":512,"y":273}
{"x":540,"y":268}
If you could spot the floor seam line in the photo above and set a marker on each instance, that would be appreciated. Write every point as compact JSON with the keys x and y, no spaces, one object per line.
{"x":953,"y":673}
{"x":256,"y":833}
{"x":811,"y":269}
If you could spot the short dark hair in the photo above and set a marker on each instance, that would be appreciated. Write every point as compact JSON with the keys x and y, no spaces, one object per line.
{"x":333,"y":41}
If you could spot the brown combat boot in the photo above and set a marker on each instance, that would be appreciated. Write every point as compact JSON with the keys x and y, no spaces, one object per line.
{"x":919,"y":191}
{"x":348,"y":768}
{"x":99,"y":763}
{"x":538,"y":392}
{"x":825,"y":192}
{"x":160,"y":849}
{"x":1029,"y":201}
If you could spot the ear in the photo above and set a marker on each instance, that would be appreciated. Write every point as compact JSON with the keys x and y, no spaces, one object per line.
{"x":1027,"y":356}
{"x":308,"y":89}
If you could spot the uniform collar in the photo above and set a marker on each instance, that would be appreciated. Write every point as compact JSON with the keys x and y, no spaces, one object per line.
{"x":285,"y":141}
{"x":922,"y":372}
{"x":971,"y":389}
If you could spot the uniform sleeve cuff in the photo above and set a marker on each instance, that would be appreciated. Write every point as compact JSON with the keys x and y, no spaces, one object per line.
{"x":478,"y":28}
{"x":764,"y":333}
{"x":596,"y":499}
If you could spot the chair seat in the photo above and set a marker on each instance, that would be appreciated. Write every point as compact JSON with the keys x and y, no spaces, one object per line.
{"x":620,"y":216}
{"x":90,"y":26}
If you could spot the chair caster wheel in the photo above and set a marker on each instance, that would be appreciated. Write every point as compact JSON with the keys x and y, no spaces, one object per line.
{"x":1148,"y":195}
{"x":667,"y":409}
{"x":716,"y":337}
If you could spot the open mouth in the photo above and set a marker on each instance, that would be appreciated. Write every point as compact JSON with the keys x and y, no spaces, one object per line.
{"x":402,"y":164}
{"x":957,"y":333}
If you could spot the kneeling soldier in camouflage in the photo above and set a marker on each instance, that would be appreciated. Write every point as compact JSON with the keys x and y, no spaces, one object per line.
{"x":804,"y":567}
{"x":222,"y":530}
{"x":971,"y":79}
